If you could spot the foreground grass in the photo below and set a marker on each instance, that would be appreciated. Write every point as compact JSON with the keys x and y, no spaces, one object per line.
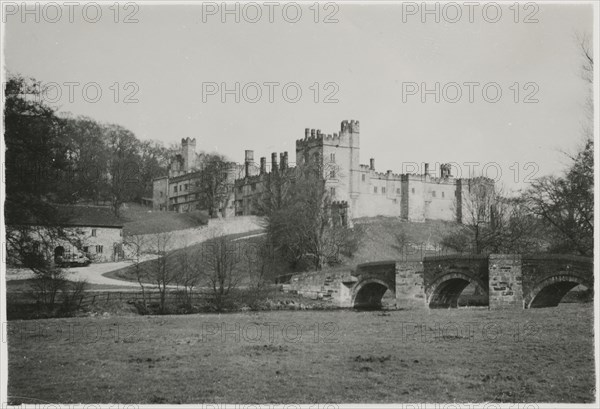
{"x":460,"y":355}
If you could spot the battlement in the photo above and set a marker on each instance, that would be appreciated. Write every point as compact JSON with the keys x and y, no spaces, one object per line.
{"x":351,"y":126}
{"x":340,"y":204}
{"x":188,"y":141}
{"x":314,"y":137}
{"x":387,"y":175}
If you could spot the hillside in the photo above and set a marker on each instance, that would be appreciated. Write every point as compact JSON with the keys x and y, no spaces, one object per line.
{"x":379,"y":239}
{"x":378,"y":242}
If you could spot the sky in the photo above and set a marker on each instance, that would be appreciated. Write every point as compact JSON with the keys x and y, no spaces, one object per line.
{"x":369,"y":62}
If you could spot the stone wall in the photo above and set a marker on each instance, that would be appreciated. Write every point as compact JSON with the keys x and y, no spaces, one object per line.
{"x":332,"y":286}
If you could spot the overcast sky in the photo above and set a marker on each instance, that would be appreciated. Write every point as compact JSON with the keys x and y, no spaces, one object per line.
{"x":371,"y":54}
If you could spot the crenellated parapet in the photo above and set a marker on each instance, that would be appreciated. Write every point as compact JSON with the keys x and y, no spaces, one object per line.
{"x":389,"y":175}
{"x":340,"y":204}
{"x":188,"y":141}
{"x":351,"y":126}
{"x":314,"y":137}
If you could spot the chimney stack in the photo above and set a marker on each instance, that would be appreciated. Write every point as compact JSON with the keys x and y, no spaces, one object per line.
{"x":274,"y":162}
{"x":427,"y":169}
{"x":263,"y":165}
{"x":249,"y":158}
{"x":372,"y":164}
{"x":285,"y":160}
{"x":306,"y":133}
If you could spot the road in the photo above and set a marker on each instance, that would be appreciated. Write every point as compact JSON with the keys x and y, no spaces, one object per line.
{"x":93,"y":273}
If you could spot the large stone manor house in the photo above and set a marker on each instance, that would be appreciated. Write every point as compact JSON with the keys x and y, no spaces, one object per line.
{"x":358,"y":188}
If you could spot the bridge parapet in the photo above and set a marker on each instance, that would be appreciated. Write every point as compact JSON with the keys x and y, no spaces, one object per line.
{"x":508,"y":281}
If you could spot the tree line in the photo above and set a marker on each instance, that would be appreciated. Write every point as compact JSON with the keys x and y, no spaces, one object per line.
{"x":59,"y":158}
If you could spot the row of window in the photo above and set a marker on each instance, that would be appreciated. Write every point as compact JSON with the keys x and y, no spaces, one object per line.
{"x":185,"y":198}
{"x":183,"y":187}
{"x":95,"y":232}
{"x":383,"y":190}
{"x":99,"y":249}
{"x":433,"y":193}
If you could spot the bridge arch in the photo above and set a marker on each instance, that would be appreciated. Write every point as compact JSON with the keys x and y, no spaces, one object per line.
{"x":368,"y":293}
{"x":445,"y":290}
{"x":550,"y":291}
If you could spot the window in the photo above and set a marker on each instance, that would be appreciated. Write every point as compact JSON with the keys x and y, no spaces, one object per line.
{"x":443,"y":195}
{"x":93,"y":232}
{"x":175,"y":189}
{"x":253,"y":187}
{"x":332,"y":157}
{"x":363,"y":177}
{"x":412,"y":190}
{"x":99,"y":249}
{"x":332,"y":174}
{"x":395,"y":201}
{"x":120,"y":232}
{"x":433,"y":193}
{"x":398,"y":191}
{"x":332,"y":191}
{"x":185,"y":187}
{"x":161,"y":194}
{"x":375,"y":189}
{"x":383,"y":191}
{"x":86,"y":249}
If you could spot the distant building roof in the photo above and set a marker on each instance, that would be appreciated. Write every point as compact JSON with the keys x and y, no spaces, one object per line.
{"x":92,"y":216}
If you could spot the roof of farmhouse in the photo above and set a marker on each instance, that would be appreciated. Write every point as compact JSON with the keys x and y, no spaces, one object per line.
{"x":93,"y":216}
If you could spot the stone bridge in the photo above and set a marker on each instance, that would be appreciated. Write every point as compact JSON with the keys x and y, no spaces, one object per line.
{"x":506,"y":280}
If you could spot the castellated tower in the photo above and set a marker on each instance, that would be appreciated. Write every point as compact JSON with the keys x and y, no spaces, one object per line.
{"x":338,"y":155}
{"x":188,"y":151}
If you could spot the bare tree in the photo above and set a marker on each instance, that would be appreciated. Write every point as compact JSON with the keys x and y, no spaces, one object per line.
{"x":189,"y":272}
{"x":161,"y":272}
{"x":309,"y":225}
{"x":492,"y":222}
{"x":259,"y":257}
{"x":136,"y":248}
{"x":566,"y":203}
{"x":220,"y":260}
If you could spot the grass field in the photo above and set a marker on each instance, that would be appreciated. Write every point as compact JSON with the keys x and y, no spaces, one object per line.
{"x":458,"y":355}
